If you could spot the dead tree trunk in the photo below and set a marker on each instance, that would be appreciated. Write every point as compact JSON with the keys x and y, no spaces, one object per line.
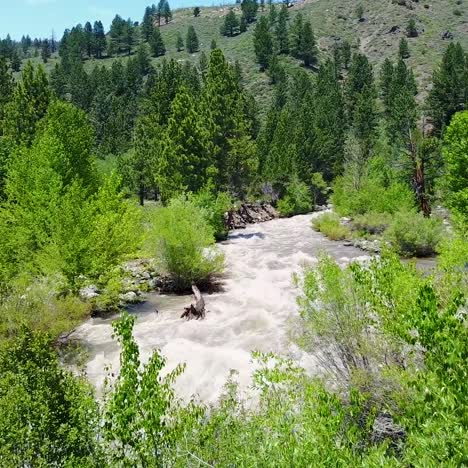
{"x":196,"y":310}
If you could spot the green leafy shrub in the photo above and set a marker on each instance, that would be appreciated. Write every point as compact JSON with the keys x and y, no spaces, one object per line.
{"x":372,"y":223}
{"x":330,"y":225}
{"x":296,"y":201}
{"x":49,"y":417}
{"x":413,"y":235}
{"x":377,"y":190}
{"x":184,"y":243}
{"x":39,"y":304}
{"x":214,"y":206}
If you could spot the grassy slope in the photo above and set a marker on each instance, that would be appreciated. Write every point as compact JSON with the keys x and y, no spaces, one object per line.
{"x":331,"y":19}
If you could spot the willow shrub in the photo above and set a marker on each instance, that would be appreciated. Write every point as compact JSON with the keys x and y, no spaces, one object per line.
{"x":183,"y":242}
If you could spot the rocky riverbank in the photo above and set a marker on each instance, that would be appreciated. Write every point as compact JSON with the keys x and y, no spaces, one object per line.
{"x":249,"y":213}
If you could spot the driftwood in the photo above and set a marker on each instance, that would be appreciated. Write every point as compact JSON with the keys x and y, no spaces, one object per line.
{"x":196,"y":310}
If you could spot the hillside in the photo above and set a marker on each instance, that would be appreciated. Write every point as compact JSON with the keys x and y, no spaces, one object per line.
{"x":377,"y":35}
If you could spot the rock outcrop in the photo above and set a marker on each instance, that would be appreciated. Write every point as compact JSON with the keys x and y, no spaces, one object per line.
{"x":249,"y":213}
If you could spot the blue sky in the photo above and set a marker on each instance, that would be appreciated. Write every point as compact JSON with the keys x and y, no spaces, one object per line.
{"x":40,"y":17}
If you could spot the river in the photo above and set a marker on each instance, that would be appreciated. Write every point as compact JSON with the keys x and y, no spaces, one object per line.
{"x":252,"y":312}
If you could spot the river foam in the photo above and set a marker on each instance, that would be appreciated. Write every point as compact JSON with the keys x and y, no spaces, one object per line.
{"x":252,"y":312}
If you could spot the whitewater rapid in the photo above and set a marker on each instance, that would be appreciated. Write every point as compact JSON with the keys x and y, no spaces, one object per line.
{"x":253,"y":311}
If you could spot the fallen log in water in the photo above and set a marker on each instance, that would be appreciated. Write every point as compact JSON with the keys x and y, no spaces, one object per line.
{"x":196,"y":310}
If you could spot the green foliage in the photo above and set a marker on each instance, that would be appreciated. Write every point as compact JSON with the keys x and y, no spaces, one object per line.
{"x":231,"y":24}
{"x":191,"y":40}
{"x":403,"y":49}
{"x":456,"y":163}
{"x":183,"y":242}
{"x":413,"y":235}
{"x":137,"y":426}
{"x":28,"y":105}
{"x":377,"y":191}
{"x":39,"y":304}
{"x":156,"y":43}
{"x":297,"y":199}
{"x":263,"y":42}
{"x":330,"y":225}
{"x":372,"y":223}
{"x":215,"y":206}
{"x":49,"y":417}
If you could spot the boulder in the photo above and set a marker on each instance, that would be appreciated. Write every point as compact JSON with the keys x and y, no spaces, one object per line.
{"x":249,"y":213}
{"x":129,"y":298}
{"x":89,"y":292}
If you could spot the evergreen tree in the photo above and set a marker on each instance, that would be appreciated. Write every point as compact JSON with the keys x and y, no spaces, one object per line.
{"x":157,"y":44}
{"x":179,"y":42}
{"x":203,"y":63}
{"x":187,"y":161}
{"x":99,"y":41}
{"x":243,"y":24}
{"x":272,"y":14}
{"x":6,"y":90}
{"x":28,"y":105}
{"x":128,"y":36}
{"x":191,"y":41}
{"x":281,"y":31}
{"x":141,"y":169}
{"x":263,"y":43}
{"x":143,"y":60}
{"x":308,"y":48}
{"x":45,"y":51}
{"x":225,"y":106}
{"x":296,"y":34}
{"x":403,"y":50}
{"x":147,"y":25}
{"x":386,"y":79}
{"x":213,"y":44}
{"x":411,"y":30}
{"x":166,"y":12}
{"x":249,"y":10}
{"x":346,"y":54}
{"x":88,"y":38}
{"x":196,"y":12}
{"x":231,"y":24}
{"x":449,"y":91}
{"x":360,"y":76}
{"x":15,"y":62}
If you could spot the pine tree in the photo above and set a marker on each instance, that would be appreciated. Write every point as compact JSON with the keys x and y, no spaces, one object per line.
{"x":213,"y":44}
{"x":147,"y":25}
{"x":360,"y":76}
{"x":99,"y":41}
{"x":263,"y":43}
{"x":28,"y":105}
{"x":159,"y":11}
{"x":227,"y":109}
{"x":308,"y":49}
{"x":143,"y":60}
{"x":6,"y":89}
{"x":157,"y":44}
{"x":346,"y":54}
{"x":142,"y":167}
{"x":249,"y":10}
{"x":128,"y":36}
{"x":45,"y":51}
{"x":191,"y":41}
{"x":203,"y":63}
{"x":88,"y":38}
{"x":403,"y":50}
{"x":166,"y":12}
{"x":386,"y":79}
{"x":179,"y":42}
{"x":196,"y":12}
{"x":188,"y":154}
{"x":15,"y":61}
{"x":449,"y":93}
{"x":231,"y":24}
{"x":411,"y":30}
{"x":296,"y":36}
{"x":243,"y":24}
{"x":281,"y":32}
{"x":272,"y":14}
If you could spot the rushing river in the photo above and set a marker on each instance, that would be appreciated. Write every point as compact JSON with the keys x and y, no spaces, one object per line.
{"x":253,"y":311}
